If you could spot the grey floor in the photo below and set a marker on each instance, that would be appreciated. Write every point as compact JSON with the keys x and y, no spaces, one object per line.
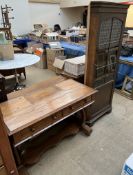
{"x":103,"y":153}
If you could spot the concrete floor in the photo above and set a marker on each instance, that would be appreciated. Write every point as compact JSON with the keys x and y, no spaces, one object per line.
{"x":103,"y":153}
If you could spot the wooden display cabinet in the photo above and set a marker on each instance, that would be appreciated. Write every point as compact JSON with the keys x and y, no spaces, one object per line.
{"x":107,"y":21}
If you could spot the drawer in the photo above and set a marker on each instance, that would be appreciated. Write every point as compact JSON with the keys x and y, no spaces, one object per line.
{"x":1,"y":161}
{"x":58,"y":116}
{"x":88,"y":100}
{"x":32,"y":130}
{"x":78,"y":105}
{"x":3,"y":171}
{"x":39,"y":127}
{"x":67,"y":111}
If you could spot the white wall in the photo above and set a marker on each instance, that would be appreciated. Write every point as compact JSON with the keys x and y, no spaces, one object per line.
{"x":74,"y":3}
{"x":52,"y":14}
{"x":26,"y":14}
{"x":22,"y":23}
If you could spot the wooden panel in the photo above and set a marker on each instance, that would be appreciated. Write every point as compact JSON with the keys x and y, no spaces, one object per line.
{"x":41,"y":103}
{"x":3,"y":171}
{"x":1,"y":161}
{"x":6,"y":151}
{"x":103,"y":101}
{"x":45,"y":1}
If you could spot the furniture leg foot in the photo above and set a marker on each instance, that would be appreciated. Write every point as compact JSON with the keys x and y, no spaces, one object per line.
{"x":23,"y":171}
{"x":86,"y":129}
{"x":24,"y":74}
{"x":90,"y":124}
{"x":19,"y":87}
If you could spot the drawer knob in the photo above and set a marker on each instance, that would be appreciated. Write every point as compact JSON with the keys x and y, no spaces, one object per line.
{"x":72,"y":107}
{"x":55,"y":117}
{"x":12,"y":172}
{"x":86,"y":100}
{"x":33,"y":129}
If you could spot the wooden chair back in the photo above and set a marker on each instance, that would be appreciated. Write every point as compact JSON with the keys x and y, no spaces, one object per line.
{"x":3,"y":95}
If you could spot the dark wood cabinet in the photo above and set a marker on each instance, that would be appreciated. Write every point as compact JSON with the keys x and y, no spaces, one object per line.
{"x":106,"y":24}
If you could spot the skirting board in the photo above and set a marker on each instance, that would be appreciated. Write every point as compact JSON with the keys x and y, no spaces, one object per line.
{"x":46,"y":1}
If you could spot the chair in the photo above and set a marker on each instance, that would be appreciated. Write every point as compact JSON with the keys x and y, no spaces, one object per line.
{"x":3,"y":94}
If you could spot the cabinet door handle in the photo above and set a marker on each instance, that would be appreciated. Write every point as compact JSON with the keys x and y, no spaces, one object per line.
{"x":12,"y":172}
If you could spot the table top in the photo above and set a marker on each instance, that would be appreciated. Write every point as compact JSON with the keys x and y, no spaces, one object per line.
{"x":39,"y":101}
{"x":20,"y":60}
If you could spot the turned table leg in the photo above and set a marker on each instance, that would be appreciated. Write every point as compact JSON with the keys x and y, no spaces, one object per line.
{"x":85,"y":128}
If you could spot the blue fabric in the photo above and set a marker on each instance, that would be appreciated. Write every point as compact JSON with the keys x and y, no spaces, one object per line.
{"x":22,"y":42}
{"x":73,"y":49}
{"x":123,"y":70}
{"x":129,"y":59}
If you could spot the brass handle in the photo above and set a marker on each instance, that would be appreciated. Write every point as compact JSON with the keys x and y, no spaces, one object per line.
{"x":54,"y":117}
{"x":32,"y":129}
{"x":72,"y":107}
{"x":87,"y":100}
{"x":12,"y":172}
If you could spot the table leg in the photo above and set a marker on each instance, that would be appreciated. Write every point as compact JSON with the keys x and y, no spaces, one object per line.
{"x":85,"y":128}
{"x":18,"y":86}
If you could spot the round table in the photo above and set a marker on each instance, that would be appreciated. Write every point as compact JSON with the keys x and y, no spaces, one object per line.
{"x":19,"y":61}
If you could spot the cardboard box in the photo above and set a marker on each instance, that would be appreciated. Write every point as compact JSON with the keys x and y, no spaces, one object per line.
{"x":6,"y":51}
{"x":42,"y":64}
{"x":128,"y":166}
{"x":51,"y":55}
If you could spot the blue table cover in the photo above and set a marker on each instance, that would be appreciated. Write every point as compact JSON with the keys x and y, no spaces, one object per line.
{"x":22,"y":42}
{"x":73,"y":50}
{"x":123,"y":70}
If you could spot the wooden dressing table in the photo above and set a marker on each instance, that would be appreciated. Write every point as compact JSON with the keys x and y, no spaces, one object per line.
{"x":31,"y":111}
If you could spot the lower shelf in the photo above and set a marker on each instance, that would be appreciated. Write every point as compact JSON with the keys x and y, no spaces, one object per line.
{"x":32,"y":151}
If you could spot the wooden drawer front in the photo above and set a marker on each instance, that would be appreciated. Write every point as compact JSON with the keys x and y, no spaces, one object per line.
{"x":39,"y":127}
{"x":32,"y":130}
{"x":88,"y":100}
{"x":58,"y":116}
{"x":1,"y":161}
{"x":77,"y":105}
{"x":3,"y":171}
{"x":67,"y":111}
{"x":22,"y":135}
